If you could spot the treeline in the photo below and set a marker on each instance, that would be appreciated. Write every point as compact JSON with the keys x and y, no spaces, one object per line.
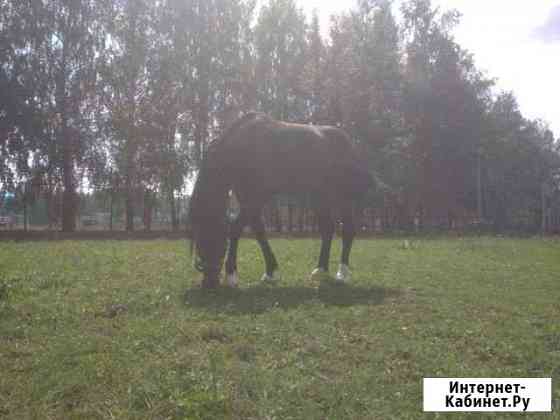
{"x":120,"y":97}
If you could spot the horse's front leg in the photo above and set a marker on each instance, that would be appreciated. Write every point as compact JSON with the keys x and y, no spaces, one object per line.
{"x":343,"y":273}
{"x":326,"y":228}
{"x":236,"y":229}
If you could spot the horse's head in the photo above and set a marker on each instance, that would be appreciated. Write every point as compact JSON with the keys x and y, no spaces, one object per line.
{"x":209,"y":226}
{"x":210,"y":245}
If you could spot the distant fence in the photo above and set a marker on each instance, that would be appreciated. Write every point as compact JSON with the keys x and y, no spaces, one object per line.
{"x":293,"y":219}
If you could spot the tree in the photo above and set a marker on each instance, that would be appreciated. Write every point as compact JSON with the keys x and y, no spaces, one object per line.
{"x":520,"y":163}
{"x":445,"y":101}
{"x":53,"y":45}
{"x":280,"y":46}
{"x":313,"y":78}
{"x":125,"y":78}
{"x":364,"y":84}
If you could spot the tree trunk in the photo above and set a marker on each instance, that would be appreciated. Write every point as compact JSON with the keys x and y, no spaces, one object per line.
{"x":290,"y":217}
{"x":25,"y":209}
{"x":49,"y":205}
{"x":130,"y":175}
{"x":203,"y":111}
{"x":69,"y":195}
{"x":65,"y":141}
{"x":129,"y":203}
{"x":543,"y":208}
{"x":479,"y":186}
{"x":301,"y":218}
{"x":147,"y":210}
{"x":173,"y":208}
{"x":111,"y":204}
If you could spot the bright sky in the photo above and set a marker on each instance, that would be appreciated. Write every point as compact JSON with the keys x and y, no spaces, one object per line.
{"x":514,"y":41}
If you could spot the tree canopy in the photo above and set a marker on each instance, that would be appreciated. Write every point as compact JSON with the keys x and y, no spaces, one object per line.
{"x":123,"y":96}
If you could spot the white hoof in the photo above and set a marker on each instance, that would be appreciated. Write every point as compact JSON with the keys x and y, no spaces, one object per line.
{"x":274,"y":278}
{"x":232,"y":279}
{"x":318,"y":271}
{"x":320,"y":274}
{"x":343,"y":274}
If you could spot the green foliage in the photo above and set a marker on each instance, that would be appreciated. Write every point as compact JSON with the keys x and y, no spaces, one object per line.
{"x":127,"y":94}
{"x":280,"y":44}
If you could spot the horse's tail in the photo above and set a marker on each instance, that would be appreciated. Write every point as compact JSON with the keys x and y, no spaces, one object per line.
{"x":207,"y":218}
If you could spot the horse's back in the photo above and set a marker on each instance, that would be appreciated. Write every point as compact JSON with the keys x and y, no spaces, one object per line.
{"x":289,"y":157}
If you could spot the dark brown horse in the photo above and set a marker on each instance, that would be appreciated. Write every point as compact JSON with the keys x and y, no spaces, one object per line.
{"x":258,"y":157}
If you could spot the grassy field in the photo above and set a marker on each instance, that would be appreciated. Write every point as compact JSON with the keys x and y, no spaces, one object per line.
{"x":118,"y":330}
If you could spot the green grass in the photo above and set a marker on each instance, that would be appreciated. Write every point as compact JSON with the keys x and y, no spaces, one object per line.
{"x":118,"y":330}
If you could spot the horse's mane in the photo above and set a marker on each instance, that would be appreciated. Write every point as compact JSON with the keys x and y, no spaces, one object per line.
{"x":203,"y":187}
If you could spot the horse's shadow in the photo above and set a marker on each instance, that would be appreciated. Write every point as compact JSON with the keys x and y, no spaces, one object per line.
{"x":262,"y":298}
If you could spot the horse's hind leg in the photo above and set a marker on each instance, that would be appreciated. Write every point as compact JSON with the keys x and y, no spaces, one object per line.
{"x":348,"y":232}
{"x":258,"y":227}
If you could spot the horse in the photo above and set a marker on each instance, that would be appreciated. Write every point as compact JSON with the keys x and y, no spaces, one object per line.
{"x":256,"y":158}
